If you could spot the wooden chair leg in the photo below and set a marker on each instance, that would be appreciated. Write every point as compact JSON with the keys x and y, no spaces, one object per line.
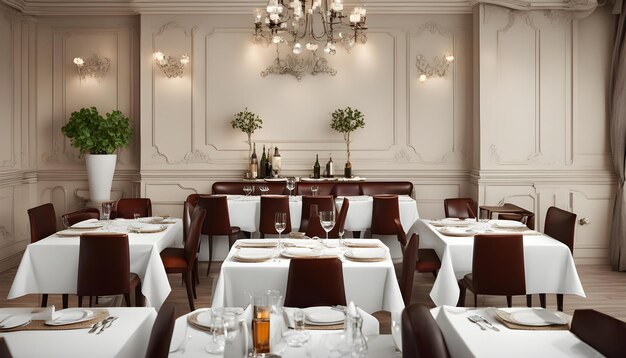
{"x":97,"y":299}
{"x":127,"y":299}
{"x":90,"y":301}
{"x":44,"y":300}
{"x":461,"y":302}
{"x":189,"y":285}
{"x":80,"y":301}
{"x":475,"y":300}
{"x":210,"y":254}
{"x":195,"y":270}
{"x":559,"y":302}
{"x":542,"y":300}
{"x":192,"y":274}
{"x":509,"y":301}
{"x":139,"y":302}
{"x":65,"y":297}
{"x":529,"y":300}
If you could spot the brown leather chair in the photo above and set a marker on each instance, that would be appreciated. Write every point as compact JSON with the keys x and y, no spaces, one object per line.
{"x":314,"y":227}
{"x":421,"y":336}
{"x":104,"y":268}
{"x":340,"y":221}
{"x":127,"y":207}
{"x":43,"y":223}
{"x":323,"y":202}
{"x":426,"y":260}
{"x":409,"y":256}
{"x":315,"y":282}
{"x":5,"y":352}
{"x":462,"y":208}
{"x":216,"y":221}
{"x":603,"y":332}
{"x":384,"y":210}
{"x":270,"y":205}
{"x":161,"y":334}
{"x":497,"y":268}
{"x":183,"y":260}
{"x":559,"y":225}
{"x":81,"y":215}
{"x":390,"y":188}
{"x":347,"y":189}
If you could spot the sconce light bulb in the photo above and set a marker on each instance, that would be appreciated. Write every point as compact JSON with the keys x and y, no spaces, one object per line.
{"x":422,"y":78}
{"x":78,"y":61}
{"x":184,"y":59}
{"x":330,"y":48}
{"x":311,"y":46}
{"x":276,"y":39}
{"x":297,"y":48}
{"x":449,"y":58}
{"x":159,"y":56}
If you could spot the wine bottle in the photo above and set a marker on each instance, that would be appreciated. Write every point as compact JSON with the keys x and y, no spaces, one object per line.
{"x":316,"y":167}
{"x":276,"y":161}
{"x":262,"y":164}
{"x":330,"y":169}
{"x":254,"y":164}
{"x":268,"y":165}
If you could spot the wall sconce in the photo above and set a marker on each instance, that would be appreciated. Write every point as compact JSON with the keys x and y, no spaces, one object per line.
{"x":171,"y":66}
{"x":93,"y":66}
{"x":440,"y":67}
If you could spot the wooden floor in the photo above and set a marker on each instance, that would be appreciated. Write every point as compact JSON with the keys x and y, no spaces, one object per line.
{"x":605,"y":289}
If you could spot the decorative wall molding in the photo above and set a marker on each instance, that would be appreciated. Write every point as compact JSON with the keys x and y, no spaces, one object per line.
{"x":299,"y":66}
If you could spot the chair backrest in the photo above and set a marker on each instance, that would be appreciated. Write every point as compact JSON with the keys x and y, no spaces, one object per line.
{"x":103,"y":264}
{"x":323,"y":202}
{"x":315,"y":282}
{"x":498,"y":265}
{"x":193,"y":237}
{"x":604,"y":333}
{"x":5,"y":352}
{"x":462,"y":208}
{"x":43,"y":222}
{"x":560,"y":225}
{"x":217,"y":219}
{"x":314,"y":227}
{"x":270,"y":205}
{"x":409,"y":257}
{"x":377,"y":188}
{"x":162,"y":330}
{"x":187,"y":210}
{"x":421,"y":336}
{"x":347,"y":189}
{"x":400,"y":233}
{"x":82,"y":215}
{"x":384,"y":210}
{"x":340,"y":220}
{"x":127,"y":207}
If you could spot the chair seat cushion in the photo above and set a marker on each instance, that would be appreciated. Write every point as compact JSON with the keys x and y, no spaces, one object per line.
{"x":427,"y":261}
{"x":174,"y":259}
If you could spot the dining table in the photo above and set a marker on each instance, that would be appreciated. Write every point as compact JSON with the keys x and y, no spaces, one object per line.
{"x":127,"y":336}
{"x":548,"y":264}
{"x":466,"y":339}
{"x":50,"y":265}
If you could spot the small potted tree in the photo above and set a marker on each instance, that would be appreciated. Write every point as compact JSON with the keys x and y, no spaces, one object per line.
{"x":247,"y":122}
{"x":97,"y":138}
{"x":346,"y":121}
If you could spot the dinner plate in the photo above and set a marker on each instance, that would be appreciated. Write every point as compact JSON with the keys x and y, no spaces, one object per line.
{"x":305,"y":243}
{"x":72,"y":232}
{"x":147,"y":229}
{"x":70,"y":316}
{"x":453,"y":222}
{"x":369,"y":254}
{"x":533,"y":317}
{"x":323,"y":316}
{"x":457,"y":231}
{"x":90,"y":224}
{"x":359,"y":243}
{"x":203,"y":318}
{"x":151,"y":219}
{"x":297,"y":234}
{"x":261,"y":243}
{"x":508,"y":224}
{"x":295,"y":252}
{"x":13,"y":321}
{"x":253,"y":255}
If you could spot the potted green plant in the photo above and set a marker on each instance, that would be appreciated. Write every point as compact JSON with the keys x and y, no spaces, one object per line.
{"x":346,"y":121}
{"x":247,"y":122}
{"x":97,"y":138}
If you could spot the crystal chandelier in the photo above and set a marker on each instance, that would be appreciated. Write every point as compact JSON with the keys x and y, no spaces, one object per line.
{"x":309,"y":24}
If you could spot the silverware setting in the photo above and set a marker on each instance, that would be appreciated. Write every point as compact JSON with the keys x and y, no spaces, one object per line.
{"x":478,"y":321}
{"x":489,"y":324}
{"x":100,"y":324}
{"x":107,"y":324}
{"x":483,"y":323}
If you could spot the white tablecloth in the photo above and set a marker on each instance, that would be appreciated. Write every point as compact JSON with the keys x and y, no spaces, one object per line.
{"x":548,"y":264}
{"x":128,"y":337}
{"x":372,"y":286}
{"x":51,"y":265}
{"x":359,"y":216}
{"x":466,"y":339}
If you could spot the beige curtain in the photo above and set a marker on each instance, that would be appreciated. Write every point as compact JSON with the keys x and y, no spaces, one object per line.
{"x":617,"y":117}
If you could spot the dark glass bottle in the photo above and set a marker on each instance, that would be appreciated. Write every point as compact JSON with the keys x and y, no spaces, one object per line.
{"x":316,"y":167}
{"x":268,"y":165}
{"x":254,"y":163}
{"x":262,"y":164}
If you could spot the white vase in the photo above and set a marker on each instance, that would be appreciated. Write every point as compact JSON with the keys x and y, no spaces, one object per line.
{"x":100,"y":170}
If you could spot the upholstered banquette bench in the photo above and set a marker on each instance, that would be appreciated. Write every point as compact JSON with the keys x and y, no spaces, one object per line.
{"x":324,"y":187}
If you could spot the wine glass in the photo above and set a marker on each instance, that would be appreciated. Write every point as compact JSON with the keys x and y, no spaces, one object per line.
{"x":280,"y":223}
{"x":106,"y":212}
{"x":216,"y":331}
{"x":314,"y":190}
{"x":291,"y":184}
{"x":66,"y":222}
{"x":264,"y":189}
{"x":247,"y":189}
{"x":341,"y":232}
{"x":327,"y":219}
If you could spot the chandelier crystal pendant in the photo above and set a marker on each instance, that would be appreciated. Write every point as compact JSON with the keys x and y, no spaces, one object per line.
{"x":306,"y":25}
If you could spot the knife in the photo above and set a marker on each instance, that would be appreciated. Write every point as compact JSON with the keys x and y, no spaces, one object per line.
{"x":489,"y":324}
{"x":107,"y":324}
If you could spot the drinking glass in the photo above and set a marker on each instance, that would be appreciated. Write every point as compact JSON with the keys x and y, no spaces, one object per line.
{"x":136,"y":214}
{"x":247,"y":189}
{"x":260,"y":324}
{"x":327,"y":219}
{"x":341,"y":232}
{"x":299,"y":336}
{"x":66,"y":222}
{"x":107,"y":206}
{"x":483,"y":222}
{"x":314,"y":190}
{"x":280,"y":223}
{"x":264,"y":189}
{"x":291,"y":184}
{"x":216,"y":331}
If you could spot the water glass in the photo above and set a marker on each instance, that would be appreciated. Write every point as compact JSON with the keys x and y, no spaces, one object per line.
{"x":136,"y":214}
{"x":247,"y":189}
{"x":66,"y":222}
{"x":291,"y":184}
{"x":107,"y":207}
{"x":280,"y":223}
{"x":299,"y":336}
{"x":327,"y":220}
{"x":314,"y":190}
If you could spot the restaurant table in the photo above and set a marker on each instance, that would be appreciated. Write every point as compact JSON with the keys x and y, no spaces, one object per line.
{"x":379,"y":346}
{"x":50,"y":265}
{"x":548,"y":264}
{"x":508,"y":208}
{"x":466,"y":339}
{"x":128,"y":336}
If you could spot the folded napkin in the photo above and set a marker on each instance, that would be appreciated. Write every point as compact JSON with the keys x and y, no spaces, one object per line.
{"x":373,"y":253}
{"x":85,"y":223}
{"x":43,"y":314}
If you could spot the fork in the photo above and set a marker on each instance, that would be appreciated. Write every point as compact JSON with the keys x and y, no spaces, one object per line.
{"x":489,"y":324}
{"x":478,"y":321}
{"x":107,"y":325}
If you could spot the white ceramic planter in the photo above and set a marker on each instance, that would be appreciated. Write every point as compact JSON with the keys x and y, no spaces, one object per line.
{"x":100,"y":170}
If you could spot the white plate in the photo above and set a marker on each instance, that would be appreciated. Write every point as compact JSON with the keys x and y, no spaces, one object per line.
{"x":14,"y":321}
{"x":453,"y":222}
{"x":373,"y":253}
{"x":359,"y":243}
{"x":457,"y":231}
{"x":72,"y":232}
{"x":323,"y":315}
{"x":147,"y":228}
{"x":257,"y":243}
{"x":254,"y":254}
{"x":276,"y":179}
{"x":536,"y":317}
{"x":508,"y":224}
{"x":88,"y":224}
{"x":204,"y":318}
{"x":151,"y":219}
{"x":69,"y":316}
{"x":300,"y":252}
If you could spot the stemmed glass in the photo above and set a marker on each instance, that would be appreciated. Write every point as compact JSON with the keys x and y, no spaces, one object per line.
{"x":341,"y":232}
{"x":66,"y":222}
{"x":291,"y":184}
{"x":247,"y":189}
{"x":314,"y":190}
{"x":106,"y":212}
{"x":264,"y":189}
{"x":327,"y":219}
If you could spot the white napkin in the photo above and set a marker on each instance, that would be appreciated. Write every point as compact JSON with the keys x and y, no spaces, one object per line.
{"x":88,"y":223}
{"x":43,"y":314}
{"x":373,"y":253}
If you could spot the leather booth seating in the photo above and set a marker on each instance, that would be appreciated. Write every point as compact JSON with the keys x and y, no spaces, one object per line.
{"x":324,"y":188}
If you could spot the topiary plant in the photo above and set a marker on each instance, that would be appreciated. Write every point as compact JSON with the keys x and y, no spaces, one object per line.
{"x":91,"y":133}
{"x":247,"y":122}
{"x":346,"y":121}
